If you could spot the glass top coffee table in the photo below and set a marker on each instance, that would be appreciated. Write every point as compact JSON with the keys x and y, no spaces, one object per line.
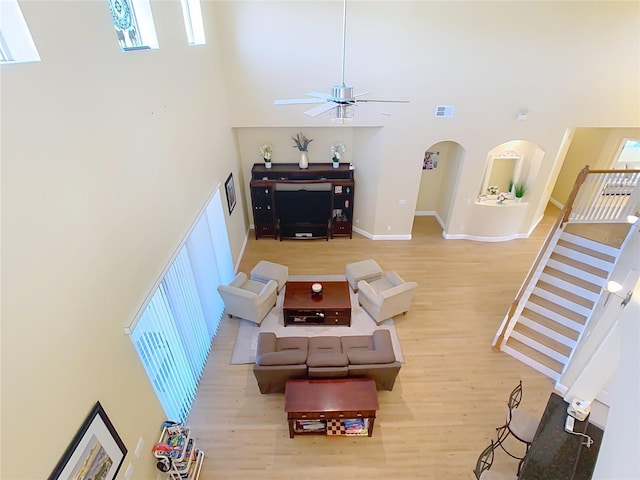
{"x":332,"y":307}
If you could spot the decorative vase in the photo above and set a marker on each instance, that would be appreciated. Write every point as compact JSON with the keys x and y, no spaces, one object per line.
{"x":517,"y":199}
{"x":267,"y":164}
{"x":336,"y":164}
{"x":304,"y":160}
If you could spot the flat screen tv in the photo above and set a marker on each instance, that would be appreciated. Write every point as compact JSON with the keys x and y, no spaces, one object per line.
{"x":303,"y":207}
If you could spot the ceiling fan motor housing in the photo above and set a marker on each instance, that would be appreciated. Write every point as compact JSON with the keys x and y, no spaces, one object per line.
{"x":342,"y":93}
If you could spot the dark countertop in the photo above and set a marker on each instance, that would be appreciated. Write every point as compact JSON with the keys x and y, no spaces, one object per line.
{"x":556,"y":454}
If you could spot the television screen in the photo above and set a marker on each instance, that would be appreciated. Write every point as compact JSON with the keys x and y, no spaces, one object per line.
{"x":303,"y":206}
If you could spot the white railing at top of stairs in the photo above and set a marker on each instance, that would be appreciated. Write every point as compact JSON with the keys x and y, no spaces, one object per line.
{"x":607,"y":196}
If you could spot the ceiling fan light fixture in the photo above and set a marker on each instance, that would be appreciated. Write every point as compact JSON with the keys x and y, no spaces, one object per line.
{"x":342,"y":114}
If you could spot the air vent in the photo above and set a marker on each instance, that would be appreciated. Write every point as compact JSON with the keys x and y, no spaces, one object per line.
{"x":444,"y":111}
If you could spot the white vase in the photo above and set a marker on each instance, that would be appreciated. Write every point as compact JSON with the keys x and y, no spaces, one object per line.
{"x":336,"y":164}
{"x":304,"y":160}
{"x":267,"y":164}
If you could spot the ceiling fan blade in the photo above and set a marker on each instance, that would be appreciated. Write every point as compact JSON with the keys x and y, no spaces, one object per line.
{"x":293,"y":101}
{"x":360,"y":94}
{"x":383,"y":101}
{"x":325,"y":96}
{"x":315,"y":111}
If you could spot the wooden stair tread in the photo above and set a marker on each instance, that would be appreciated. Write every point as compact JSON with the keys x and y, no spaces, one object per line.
{"x":578,"y":282}
{"x":543,"y":339}
{"x":587,"y":251}
{"x":598,"y":272}
{"x":572,"y":297}
{"x":554,"y":307}
{"x":612,"y":234}
{"x":550,"y":324}
{"x":535,"y":355}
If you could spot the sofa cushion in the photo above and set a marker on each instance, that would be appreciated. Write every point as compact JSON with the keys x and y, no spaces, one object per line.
{"x":361,"y":356}
{"x":284,"y":357}
{"x":328,"y":359}
{"x":326,"y":352}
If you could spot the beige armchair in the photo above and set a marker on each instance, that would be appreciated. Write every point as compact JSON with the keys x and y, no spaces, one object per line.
{"x":248,"y":299}
{"x":386,"y":297}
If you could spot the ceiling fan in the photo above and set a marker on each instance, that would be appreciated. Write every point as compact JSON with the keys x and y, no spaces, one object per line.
{"x":341,"y":99}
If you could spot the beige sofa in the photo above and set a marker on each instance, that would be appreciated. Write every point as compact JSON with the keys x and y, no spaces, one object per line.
{"x":248,"y":299}
{"x":386,"y":297}
{"x":281,"y":358}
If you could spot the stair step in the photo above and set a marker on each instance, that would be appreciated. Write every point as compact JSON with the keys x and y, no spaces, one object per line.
{"x":560,"y":310}
{"x":577,"y":272}
{"x":579,"y":282}
{"x":546,"y":322}
{"x":598,"y":272}
{"x":587,"y":251}
{"x":569,"y":287}
{"x":607,"y":236}
{"x":554,"y":316}
{"x":535,"y":355}
{"x":561,"y":301}
{"x":572,"y":297}
{"x":539,"y":337}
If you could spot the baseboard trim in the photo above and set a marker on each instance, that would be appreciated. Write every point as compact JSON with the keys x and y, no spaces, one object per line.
{"x":476,"y":238}
{"x":555,"y":202}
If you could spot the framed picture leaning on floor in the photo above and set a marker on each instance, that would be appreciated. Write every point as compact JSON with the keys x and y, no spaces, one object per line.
{"x":96,"y":451}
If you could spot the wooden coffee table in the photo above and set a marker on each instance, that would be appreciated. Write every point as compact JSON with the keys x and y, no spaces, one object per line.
{"x":327,"y":407}
{"x":333,"y":307}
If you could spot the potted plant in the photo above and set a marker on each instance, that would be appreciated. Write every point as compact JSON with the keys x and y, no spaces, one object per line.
{"x":266,"y":150}
{"x":302,"y":143}
{"x":519,"y":189}
{"x":337,"y":149}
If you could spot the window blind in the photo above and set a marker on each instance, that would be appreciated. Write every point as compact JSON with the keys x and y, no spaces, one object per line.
{"x":174,"y":332}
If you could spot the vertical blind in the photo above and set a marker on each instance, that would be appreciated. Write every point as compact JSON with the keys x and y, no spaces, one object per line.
{"x":174,"y":331}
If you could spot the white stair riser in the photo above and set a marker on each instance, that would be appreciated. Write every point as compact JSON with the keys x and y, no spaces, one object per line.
{"x":563,"y":302}
{"x":584,"y":258}
{"x":549,"y":352}
{"x":546,"y":331}
{"x":555,"y":317}
{"x":576,"y":272}
{"x":531,"y":362}
{"x":570,"y":287}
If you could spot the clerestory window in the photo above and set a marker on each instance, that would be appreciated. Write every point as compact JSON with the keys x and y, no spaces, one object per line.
{"x":134,"y":25}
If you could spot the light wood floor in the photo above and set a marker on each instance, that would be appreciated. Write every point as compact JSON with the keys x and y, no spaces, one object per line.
{"x":451,"y":392}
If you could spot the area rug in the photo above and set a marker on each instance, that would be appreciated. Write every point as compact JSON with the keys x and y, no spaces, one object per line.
{"x":244,"y":350}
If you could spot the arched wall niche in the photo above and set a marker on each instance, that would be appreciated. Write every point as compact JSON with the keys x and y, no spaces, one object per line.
{"x":513,"y":161}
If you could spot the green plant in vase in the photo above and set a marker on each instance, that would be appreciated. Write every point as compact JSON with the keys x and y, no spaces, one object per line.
{"x":519,"y":189}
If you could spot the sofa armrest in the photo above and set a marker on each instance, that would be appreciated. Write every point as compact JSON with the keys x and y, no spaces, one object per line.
{"x":266,"y":343}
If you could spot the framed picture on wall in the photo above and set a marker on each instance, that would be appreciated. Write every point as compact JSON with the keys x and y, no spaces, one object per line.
{"x":96,"y":451}
{"x":231,"y":193}
{"x":430,"y":161}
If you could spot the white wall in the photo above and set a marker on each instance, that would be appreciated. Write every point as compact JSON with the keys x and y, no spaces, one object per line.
{"x":439,"y":53}
{"x":107,"y":157}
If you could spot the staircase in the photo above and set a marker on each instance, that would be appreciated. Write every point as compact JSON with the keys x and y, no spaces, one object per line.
{"x":560,"y":303}
{"x":567,"y":279}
